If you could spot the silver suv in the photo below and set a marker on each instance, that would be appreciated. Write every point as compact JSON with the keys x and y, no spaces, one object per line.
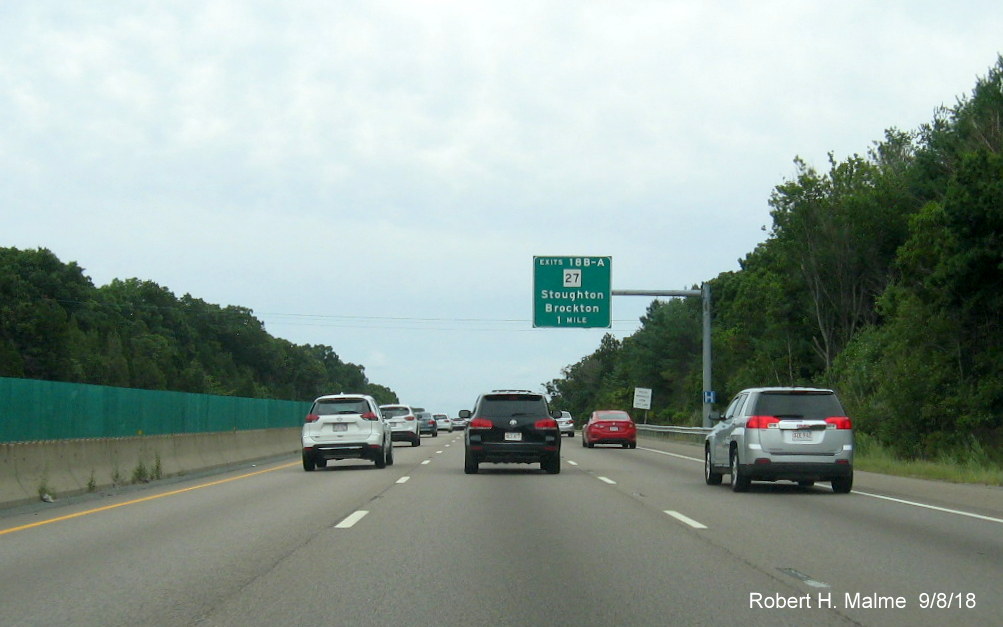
{"x":771,"y":434}
{"x":346,"y":426}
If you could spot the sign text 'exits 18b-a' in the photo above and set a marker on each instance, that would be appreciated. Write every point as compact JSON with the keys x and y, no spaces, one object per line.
{"x":571,"y":292}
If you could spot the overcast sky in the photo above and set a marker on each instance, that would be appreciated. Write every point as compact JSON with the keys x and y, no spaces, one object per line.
{"x":377,"y":176}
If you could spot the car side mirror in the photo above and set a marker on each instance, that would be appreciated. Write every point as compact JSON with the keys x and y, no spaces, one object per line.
{"x":464,"y":413}
{"x":555,"y":414}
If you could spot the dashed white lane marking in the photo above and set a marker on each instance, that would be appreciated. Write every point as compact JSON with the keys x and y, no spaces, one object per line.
{"x":438,"y":452}
{"x":427,"y":461}
{"x":403,"y":479}
{"x":607,"y":480}
{"x":686,"y":519}
{"x":351,"y":519}
{"x":572,"y":463}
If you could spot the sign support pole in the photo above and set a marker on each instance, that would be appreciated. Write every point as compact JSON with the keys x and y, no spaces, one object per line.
{"x":704,"y":293}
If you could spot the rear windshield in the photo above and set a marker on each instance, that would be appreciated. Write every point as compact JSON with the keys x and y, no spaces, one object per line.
{"x":393,"y":412}
{"x":498,"y":406}
{"x":340,"y":406}
{"x":613,"y":415}
{"x":810,"y":406}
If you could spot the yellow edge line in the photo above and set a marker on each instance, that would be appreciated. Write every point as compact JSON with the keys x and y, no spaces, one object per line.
{"x":142,"y":500}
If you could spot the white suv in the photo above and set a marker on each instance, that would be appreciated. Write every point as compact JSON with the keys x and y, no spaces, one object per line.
{"x":346,"y":426}
{"x":404,"y":423}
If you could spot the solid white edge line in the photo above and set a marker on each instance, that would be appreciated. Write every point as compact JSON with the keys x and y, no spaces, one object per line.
{"x":351,"y":519}
{"x":607,"y":480}
{"x":933,"y":507}
{"x":403,"y":479}
{"x":652,"y":450}
{"x":686,"y":519}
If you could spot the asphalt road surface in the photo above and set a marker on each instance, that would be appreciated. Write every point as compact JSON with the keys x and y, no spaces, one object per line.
{"x":620,"y":537}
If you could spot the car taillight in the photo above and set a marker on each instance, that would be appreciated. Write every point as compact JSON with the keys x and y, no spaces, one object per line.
{"x":546,"y":423}
{"x":368,"y":416}
{"x":408,"y":417}
{"x":312,"y":417}
{"x":839,"y":422}
{"x":762,"y":422}
{"x":480,"y":423}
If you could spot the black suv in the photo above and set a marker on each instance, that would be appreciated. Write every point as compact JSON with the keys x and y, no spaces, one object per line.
{"x":512,"y":426}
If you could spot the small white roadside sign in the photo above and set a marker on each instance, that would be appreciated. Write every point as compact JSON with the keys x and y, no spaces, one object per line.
{"x":642,"y":398}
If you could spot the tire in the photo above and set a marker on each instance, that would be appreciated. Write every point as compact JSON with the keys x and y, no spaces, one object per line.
{"x":842,"y":485}
{"x":390,"y":454}
{"x":416,"y":441}
{"x":470,"y":465}
{"x":739,"y":481}
{"x":381,"y":458}
{"x":584,"y":445}
{"x":625,"y":445}
{"x":592,"y":444}
{"x":633,"y":445}
{"x":321,"y":463}
{"x":709,"y":476}
{"x":308,"y":463}
{"x":552,"y":465}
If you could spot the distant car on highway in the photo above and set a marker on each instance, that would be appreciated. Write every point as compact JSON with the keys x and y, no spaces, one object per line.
{"x":345,"y":426}
{"x":403,"y":423}
{"x":459,"y":424}
{"x":427,"y":424}
{"x":511,"y":426}
{"x":443,"y":422}
{"x":610,"y":426}
{"x":566,"y":424}
{"x":773,"y":434}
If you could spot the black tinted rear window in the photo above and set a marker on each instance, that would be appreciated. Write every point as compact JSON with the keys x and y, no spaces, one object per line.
{"x":340,"y":406}
{"x":501,"y":405}
{"x":812,"y":406}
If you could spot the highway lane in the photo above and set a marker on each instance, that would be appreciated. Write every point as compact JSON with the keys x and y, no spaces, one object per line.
{"x":512,"y":545}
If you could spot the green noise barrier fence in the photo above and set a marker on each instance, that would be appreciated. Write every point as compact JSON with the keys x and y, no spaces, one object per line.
{"x":33,"y":410}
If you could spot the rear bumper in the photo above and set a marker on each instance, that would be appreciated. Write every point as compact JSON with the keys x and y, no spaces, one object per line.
{"x":344,"y":450}
{"x":797,"y":471}
{"x":512,"y":452}
{"x":403,"y":436}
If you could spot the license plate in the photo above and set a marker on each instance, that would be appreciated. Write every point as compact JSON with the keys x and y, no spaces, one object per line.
{"x":513,"y":436}
{"x":801,"y":435}
{"x":340,"y":426}
{"x":614,"y":428}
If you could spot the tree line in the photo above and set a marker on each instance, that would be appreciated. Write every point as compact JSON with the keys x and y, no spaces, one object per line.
{"x":56,"y":325}
{"x":881,"y":276}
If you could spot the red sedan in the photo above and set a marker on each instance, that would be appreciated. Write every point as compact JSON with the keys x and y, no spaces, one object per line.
{"x":610,"y":426}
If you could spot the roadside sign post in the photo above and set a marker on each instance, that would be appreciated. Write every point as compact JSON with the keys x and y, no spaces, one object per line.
{"x":642,"y":400}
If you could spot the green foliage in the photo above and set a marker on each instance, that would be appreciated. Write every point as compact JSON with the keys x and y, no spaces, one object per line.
{"x":55,"y":325}
{"x":881,"y":277}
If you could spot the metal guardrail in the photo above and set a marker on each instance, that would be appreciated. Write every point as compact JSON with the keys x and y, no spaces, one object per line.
{"x":674,"y":429}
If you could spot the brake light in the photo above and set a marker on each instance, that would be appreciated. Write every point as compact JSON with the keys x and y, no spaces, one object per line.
{"x":762,"y":422}
{"x":480,"y":423}
{"x":312,"y":417}
{"x":546,"y":423}
{"x":839,"y":422}
{"x":368,"y":416}
{"x":408,"y":417}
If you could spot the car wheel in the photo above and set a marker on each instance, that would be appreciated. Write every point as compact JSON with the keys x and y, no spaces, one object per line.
{"x":842,"y":485}
{"x":739,"y":481}
{"x":308,"y":464}
{"x":625,"y":445}
{"x":470,"y":465}
{"x":390,"y":454}
{"x":633,"y":445}
{"x":592,"y":444}
{"x":320,"y":462}
{"x":381,"y":458}
{"x":551,"y":464}
{"x":583,"y":442}
{"x":709,"y":476}
{"x":416,"y":441}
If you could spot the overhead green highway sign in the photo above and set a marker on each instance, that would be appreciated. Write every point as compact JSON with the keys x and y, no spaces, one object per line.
{"x":572,"y":292}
